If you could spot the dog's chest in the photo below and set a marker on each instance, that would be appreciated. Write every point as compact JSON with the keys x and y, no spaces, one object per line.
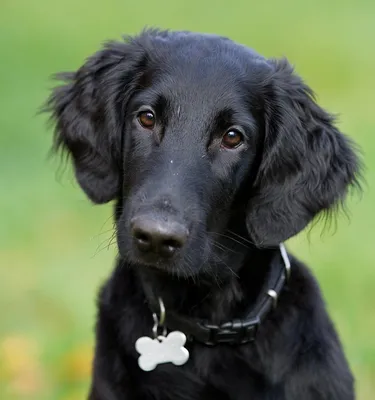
{"x":209,"y":374}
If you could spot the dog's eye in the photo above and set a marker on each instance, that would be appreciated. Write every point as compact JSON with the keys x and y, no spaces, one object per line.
{"x":232,"y":138}
{"x":147,"y":119}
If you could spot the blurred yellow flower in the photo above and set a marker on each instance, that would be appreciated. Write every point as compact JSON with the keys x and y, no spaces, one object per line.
{"x":20,"y":367}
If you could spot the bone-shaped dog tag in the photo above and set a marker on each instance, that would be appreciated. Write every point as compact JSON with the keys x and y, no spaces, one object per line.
{"x":163,"y":349}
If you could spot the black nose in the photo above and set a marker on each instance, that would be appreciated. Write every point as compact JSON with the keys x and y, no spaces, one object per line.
{"x":157,"y":236}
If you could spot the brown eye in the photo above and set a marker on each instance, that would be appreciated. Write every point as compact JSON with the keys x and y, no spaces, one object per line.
{"x":231,"y":139}
{"x":147,"y":119}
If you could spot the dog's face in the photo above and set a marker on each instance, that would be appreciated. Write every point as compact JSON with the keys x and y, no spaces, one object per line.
{"x":194,"y":135}
{"x":190,"y":142}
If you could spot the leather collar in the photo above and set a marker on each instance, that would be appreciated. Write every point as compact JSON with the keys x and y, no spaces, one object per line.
{"x":236,"y":331}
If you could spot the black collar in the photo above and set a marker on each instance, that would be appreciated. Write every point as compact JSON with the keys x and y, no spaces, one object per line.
{"x":237,"y":331}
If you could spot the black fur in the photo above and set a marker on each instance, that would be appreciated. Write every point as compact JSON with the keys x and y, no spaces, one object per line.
{"x":238,"y":205}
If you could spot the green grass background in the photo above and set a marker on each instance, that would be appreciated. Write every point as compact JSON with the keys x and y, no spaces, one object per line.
{"x":53,"y":253}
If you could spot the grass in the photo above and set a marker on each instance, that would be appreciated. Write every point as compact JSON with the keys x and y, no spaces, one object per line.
{"x":52,"y":241}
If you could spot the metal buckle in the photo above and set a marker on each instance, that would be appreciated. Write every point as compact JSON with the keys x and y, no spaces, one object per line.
{"x":286,"y":261}
{"x":273,"y":296}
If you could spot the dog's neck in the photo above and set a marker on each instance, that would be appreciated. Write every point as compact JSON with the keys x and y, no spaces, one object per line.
{"x":209,"y":298}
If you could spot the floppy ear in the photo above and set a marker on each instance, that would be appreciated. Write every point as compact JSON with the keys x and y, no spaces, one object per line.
{"x":87,"y":114}
{"x":307,"y":164}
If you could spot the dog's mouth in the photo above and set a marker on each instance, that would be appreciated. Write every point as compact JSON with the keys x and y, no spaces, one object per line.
{"x":153,"y":262}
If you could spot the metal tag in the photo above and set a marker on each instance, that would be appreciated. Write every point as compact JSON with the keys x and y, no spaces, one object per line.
{"x":161,"y":350}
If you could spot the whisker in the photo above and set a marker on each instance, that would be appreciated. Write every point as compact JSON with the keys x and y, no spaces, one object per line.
{"x":241,"y":237}
{"x":223,"y":262}
{"x":231,"y":238}
{"x":222,"y":247}
{"x":102,"y":233}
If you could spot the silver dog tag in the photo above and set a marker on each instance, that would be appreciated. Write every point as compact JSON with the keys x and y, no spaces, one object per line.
{"x":161,"y":350}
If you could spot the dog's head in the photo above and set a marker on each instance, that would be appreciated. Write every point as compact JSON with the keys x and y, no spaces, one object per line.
{"x":193,"y":136}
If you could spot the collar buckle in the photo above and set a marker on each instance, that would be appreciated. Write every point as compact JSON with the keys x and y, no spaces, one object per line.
{"x":234,"y":332}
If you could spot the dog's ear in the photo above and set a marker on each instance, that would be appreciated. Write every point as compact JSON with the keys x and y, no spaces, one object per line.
{"x":86,"y":111}
{"x":307,"y":164}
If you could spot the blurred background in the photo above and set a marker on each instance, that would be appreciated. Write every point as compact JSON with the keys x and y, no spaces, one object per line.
{"x":55,"y":248}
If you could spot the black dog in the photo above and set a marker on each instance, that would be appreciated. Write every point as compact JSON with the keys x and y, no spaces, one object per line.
{"x":214,"y":156}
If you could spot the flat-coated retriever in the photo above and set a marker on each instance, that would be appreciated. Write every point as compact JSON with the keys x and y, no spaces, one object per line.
{"x":214,"y":155}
